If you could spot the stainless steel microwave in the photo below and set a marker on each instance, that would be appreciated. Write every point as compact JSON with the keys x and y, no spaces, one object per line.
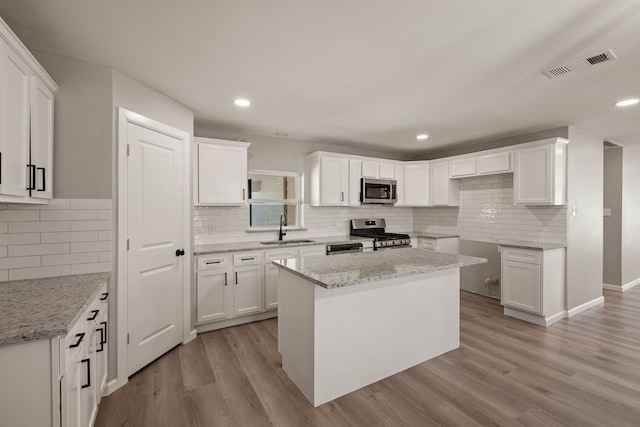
{"x":378,"y":191}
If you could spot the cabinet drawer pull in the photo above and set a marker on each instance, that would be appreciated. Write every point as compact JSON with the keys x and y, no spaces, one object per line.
{"x":95,"y":314}
{"x":77,"y":343}
{"x":44,"y":186}
{"x":104,"y":296}
{"x":88,"y":384}
{"x":248,"y":259}
{"x":213,"y":262}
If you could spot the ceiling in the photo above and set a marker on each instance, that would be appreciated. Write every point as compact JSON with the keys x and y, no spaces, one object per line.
{"x":362,"y":72}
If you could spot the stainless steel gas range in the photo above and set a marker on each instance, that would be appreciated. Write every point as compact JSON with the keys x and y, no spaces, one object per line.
{"x":374,"y":229}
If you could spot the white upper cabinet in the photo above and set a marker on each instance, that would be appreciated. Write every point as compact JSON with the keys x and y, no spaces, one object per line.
{"x":26,"y":124}
{"x":42,"y":140}
{"x":399,"y":174}
{"x":355,"y":167}
{"x":540,"y":173}
{"x":220,"y":173}
{"x":416,"y":184}
{"x":370,"y":169}
{"x":387,"y":171}
{"x":494,"y":163}
{"x":329,"y":179}
{"x":444,"y":191}
{"x":463,"y":167}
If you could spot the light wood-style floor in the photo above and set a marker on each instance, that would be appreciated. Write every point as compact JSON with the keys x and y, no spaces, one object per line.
{"x":584,"y":371}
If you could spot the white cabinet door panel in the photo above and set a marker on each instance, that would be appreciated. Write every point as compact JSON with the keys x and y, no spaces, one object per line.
{"x":463,"y":167}
{"x":222,"y":175}
{"x":355,"y":167}
{"x":521,"y":286}
{"x":212,"y":289}
{"x":387,"y":171}
{"x":42,"y":140}
{"x":247,"y":294}
{"x":494,"y":163}
{"x":416,"y":185}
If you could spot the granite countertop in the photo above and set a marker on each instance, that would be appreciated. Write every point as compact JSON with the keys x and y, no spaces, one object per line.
{"x":530,"y":245}
{"x":38,"y":309}
{"x":429,"y":235}
{"x":355,"y":268}
{"x":255,"y":246}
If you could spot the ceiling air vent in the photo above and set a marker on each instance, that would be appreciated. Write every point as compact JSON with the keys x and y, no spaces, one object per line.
{"x":580,"y":64}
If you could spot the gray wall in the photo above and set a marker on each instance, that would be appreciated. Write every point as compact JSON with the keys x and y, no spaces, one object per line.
{"x":630,"y":207}
{"x":82,"y":135}
{"x":472,"y":277}
{"x":612,"y":230}
{"x":584,"y":230}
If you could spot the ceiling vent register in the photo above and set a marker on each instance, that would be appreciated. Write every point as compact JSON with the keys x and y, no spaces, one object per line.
{"x":580,"y":64}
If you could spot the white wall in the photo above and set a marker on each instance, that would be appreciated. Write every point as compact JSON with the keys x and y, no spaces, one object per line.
{"x":82,"y":127}
{"x":612,"y":225}
{"x":585,"y":229}
{"x":630,"y":252}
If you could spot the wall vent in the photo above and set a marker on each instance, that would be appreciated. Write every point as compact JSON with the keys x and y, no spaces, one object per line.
{"x":580,"y":64}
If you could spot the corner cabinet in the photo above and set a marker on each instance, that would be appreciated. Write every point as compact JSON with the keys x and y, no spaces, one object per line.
{"x":540,"y":173}
{"x":220,"y":172}
{"x":26,"y":124}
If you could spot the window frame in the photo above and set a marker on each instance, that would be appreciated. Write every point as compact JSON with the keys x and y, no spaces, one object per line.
{"x":297,"y":201}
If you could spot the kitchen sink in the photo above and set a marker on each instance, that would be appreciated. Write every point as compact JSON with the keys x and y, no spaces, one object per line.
{"x":285,"y":242}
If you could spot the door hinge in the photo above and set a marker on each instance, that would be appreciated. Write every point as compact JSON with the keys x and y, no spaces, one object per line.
{"x":127,"y":337}
{"x":127,"y":244}
{"x":127,"y":150}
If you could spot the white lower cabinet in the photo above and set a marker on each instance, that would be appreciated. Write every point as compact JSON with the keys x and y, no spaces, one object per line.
{"x":57,"y":381}
{"x":232,"y":286}
{"x":449,"y":245}
{"x":533,"y":284}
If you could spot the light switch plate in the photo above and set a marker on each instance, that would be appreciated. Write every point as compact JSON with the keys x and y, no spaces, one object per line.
{"x":606,"y":211}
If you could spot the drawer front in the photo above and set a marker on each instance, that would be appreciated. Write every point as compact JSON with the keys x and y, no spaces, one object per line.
{"x":424,"y":243}
{"x":247,"y":258}
{"x":209,"y":262}
{"x":529,"y":256}
{"x":280,"y":254}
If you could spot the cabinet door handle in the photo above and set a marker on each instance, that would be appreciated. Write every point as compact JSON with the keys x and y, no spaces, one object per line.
{"x":95,"y":314}
{"x":77,"y":343}
{"x":101,"y":340}
{"x":225,"y":279}
{"x":31,"y":172}
{"x":243,"y":194}
{"x":104,"y":296}
{"x":236,"y":277}
{"x":104,"y":326}
{"x":44,"y":186}
{"x":342,"y":196}
{"x":88,"y":384}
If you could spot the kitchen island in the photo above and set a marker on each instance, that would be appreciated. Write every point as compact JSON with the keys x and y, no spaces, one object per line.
{"x":347,"y":321}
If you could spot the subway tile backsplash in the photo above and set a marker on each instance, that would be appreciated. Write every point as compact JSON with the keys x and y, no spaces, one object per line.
{"x":487,"y":214}
{"x":67,"y":236}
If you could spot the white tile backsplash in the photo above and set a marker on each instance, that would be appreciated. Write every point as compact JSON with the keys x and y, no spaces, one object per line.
{"x":487,"y":213}
{"x":67,"y":236}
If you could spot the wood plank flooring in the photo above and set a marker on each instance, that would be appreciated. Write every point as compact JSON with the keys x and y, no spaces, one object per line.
{"x":583,"y":371}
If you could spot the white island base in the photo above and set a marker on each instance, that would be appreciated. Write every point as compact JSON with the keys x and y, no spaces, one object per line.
{"x":335,"y":341}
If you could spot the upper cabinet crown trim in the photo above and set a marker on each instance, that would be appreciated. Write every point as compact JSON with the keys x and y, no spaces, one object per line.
{"x":14,"y":42}
{"x":203,"y":140}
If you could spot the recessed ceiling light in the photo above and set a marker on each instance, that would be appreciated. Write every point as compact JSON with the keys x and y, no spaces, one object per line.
{"x":627,"y":102}
{"x":422,"y":137}
{"x":282,"y":134}
{"x":242,"y":102}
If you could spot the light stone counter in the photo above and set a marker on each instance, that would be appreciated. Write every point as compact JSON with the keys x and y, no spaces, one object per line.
{"x":352,"y":269}
{"x":255,"y":246}
{"x":530,"y":245}
{"x":37,"y":309}
{"x":429,"y":235}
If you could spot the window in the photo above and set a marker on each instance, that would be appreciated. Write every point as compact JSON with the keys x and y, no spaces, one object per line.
{"x":272,"y":194}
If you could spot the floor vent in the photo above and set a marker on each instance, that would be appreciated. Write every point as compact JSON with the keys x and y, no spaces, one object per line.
{"x":580,"y":64}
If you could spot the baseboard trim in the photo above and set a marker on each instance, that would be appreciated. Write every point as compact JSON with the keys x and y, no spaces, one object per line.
{"x":220,"y":324}
{"x":111,"y":387}
{"x":534,"y":318}
{"x":615,"y":288}
{"x":191,"y":336}
{"x":631,"y":284}
{"x":584,"y":307}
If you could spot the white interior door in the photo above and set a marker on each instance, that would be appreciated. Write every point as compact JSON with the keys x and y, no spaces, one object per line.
{"x":155,"y":215}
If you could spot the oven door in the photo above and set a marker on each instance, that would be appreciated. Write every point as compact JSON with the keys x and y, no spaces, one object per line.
{"x":378,"y":191}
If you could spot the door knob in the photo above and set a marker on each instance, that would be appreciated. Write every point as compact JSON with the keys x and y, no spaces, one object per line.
{"x":180,"y":252}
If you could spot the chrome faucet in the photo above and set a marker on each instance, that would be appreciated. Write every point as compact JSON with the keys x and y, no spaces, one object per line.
{"x":283,"y":221}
